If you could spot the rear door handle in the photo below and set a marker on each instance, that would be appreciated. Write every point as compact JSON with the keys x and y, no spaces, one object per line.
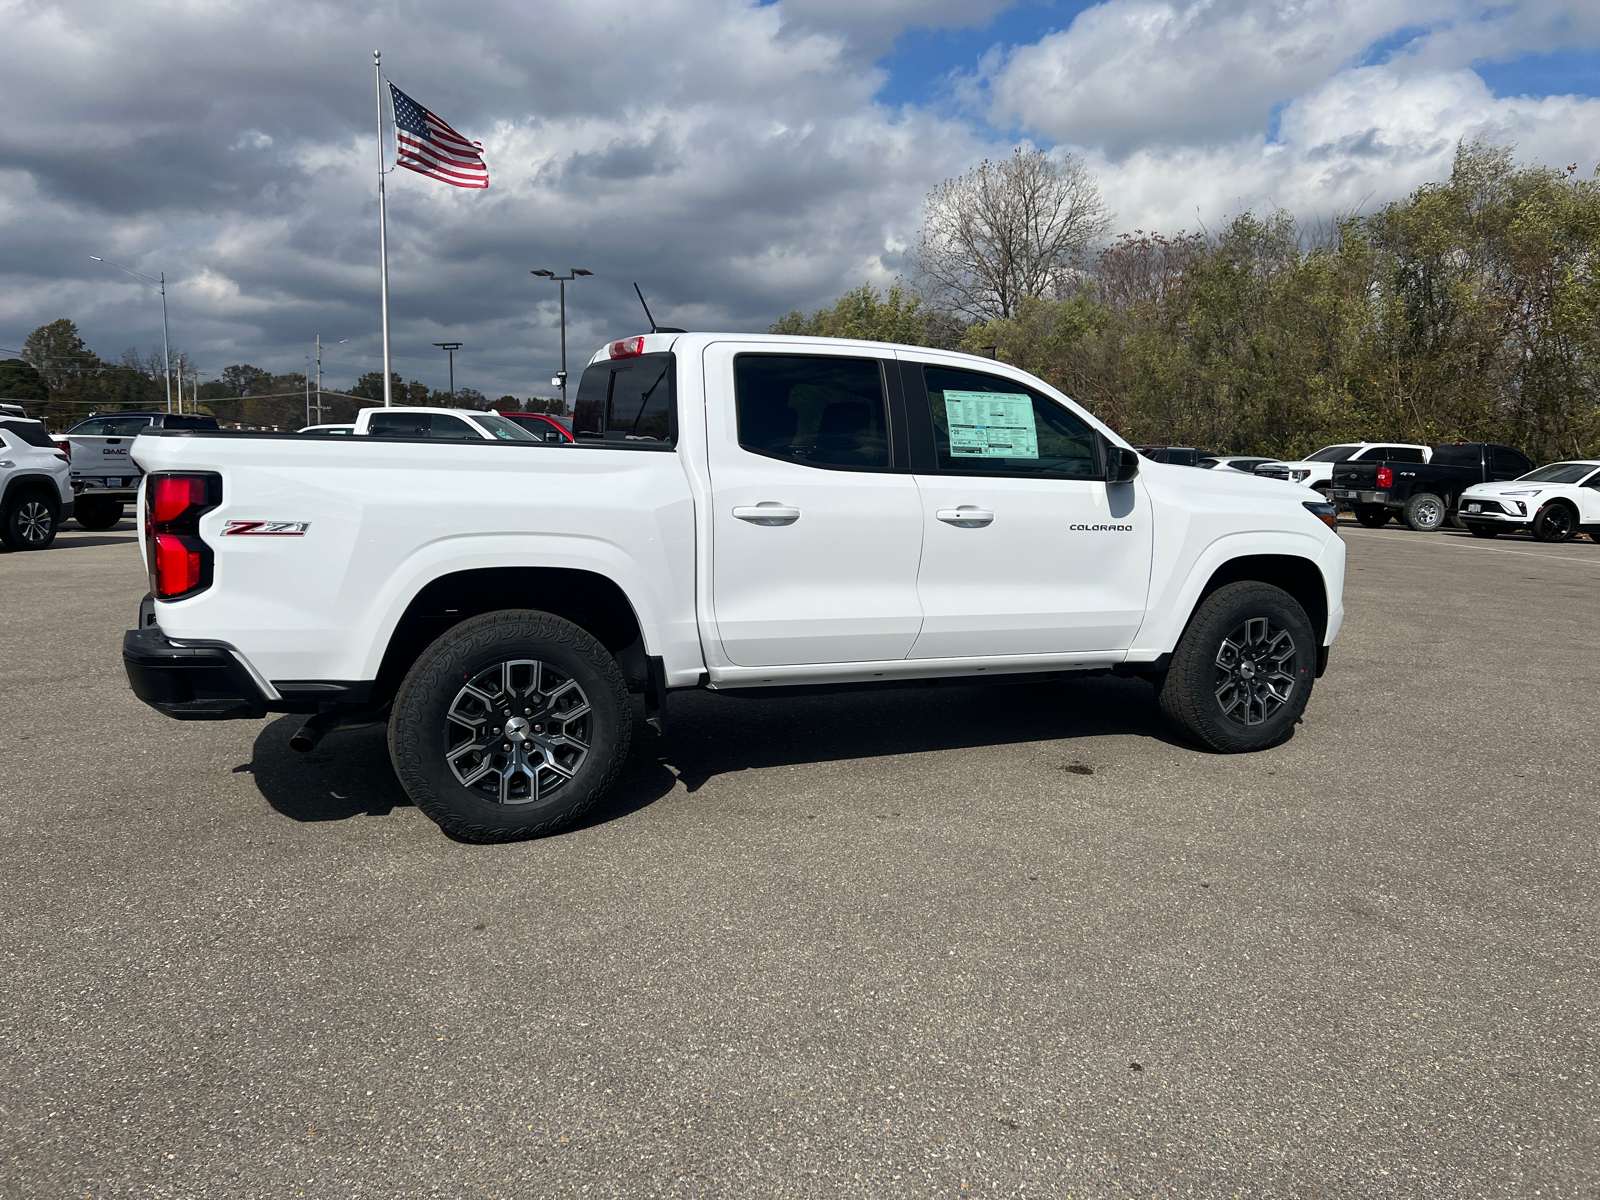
{"x":768,"y":512}
{"x":967,"y":516}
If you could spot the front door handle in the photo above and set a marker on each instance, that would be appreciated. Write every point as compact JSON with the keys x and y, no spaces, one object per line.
{"x":768,"y":512}
{"x":967,"y":516}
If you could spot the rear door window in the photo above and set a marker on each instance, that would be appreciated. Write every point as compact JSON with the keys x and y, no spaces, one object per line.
{"x":813,"y":410}
{"x":111,"y":426}
{"x":987,"y":425}
{"x":631,"y":399}
{"x":1408,"y":454}
{"x":1506,"y":463}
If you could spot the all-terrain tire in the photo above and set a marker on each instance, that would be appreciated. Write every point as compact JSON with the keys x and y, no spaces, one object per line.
{"x":1202,"y":697}
{"x":30,"y":520}
{"x":454,"y":678}
{"x":1426,"y":512}
{"x":97,"y":514}
{"x":1373,"y":516}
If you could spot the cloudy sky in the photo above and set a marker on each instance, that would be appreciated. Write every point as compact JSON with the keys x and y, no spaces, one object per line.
{"x":737,"y":159}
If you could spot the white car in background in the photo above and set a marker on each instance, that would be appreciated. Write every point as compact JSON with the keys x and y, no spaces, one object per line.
{"x":1553,"y":502}
{"x":439,"y":424}
{"x":1316,"y":470}
{"x":35,"y":484}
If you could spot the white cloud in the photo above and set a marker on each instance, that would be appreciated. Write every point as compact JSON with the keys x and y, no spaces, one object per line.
{"x":1366,"y":136}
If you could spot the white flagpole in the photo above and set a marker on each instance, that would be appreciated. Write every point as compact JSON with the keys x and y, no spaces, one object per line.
{"x":383,"y":232}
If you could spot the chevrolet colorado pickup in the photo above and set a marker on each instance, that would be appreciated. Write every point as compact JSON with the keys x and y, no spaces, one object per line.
{"x":741,"y":513}
{"x":1424,"y":495}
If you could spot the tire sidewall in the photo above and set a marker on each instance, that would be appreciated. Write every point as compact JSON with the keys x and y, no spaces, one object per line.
{"x":417,"y":727}
{"x":1193,"y":706}
{"x":12,"y":530}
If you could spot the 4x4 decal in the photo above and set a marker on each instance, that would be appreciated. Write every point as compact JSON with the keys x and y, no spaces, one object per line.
{"x":266,"y":528}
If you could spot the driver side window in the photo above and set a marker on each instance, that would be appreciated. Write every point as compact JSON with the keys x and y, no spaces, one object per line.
{"x":986,"y":425}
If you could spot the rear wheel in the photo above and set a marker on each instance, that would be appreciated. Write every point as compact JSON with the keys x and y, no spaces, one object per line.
{"x":1242,"y":672}
{"x":97,"y":513}
{"x":1373,"y":516}
{"x":1556,"y":522}
{"x":29,"y":521}
{"x":1425,"y":512}
{"x":510,"y":725}
{"x":1483,"y":531}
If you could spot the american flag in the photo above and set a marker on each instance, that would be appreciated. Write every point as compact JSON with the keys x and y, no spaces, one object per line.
{"x":426,"y":145}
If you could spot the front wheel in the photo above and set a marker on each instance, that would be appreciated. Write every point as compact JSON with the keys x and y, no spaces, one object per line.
{"x":1425,"y":512}
{"x":1555,"y":523}
{"x":1373,"y":516}
{"x":29,"y":522}
{"x":1242,"y":672}
{"x":512,"y":724}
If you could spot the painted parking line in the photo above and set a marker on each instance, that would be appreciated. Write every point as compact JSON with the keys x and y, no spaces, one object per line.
{"x":1428,"y":540}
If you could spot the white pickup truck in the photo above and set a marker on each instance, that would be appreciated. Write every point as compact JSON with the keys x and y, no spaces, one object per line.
{"x":745,"y":513}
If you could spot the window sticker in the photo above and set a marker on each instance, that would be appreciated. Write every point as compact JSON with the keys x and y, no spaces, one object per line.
{"x":991,"y":425}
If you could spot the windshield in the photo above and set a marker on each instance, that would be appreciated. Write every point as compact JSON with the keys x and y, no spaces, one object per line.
{"x":1558,"y":473}
{"x":1332,"y":454}
{"x":506,"y":431}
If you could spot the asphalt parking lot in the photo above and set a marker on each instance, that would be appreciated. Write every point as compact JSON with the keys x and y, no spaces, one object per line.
{"x":1002,"y":941}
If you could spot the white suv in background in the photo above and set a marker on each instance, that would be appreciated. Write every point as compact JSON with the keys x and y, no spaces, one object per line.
{"x":35,"y":484}
{"x":1316,"y":470}
{"x":1553,"y":503}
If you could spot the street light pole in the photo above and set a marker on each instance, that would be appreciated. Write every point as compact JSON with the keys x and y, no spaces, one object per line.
{"x":166,"y":352}
{"x":450,"y":348}
{"x":563,"y":280}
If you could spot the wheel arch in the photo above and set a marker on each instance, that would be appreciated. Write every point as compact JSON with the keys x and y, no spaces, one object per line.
{"x":588,"y":599}
{"x":1300,"y":577}
{"x":28,"y":481}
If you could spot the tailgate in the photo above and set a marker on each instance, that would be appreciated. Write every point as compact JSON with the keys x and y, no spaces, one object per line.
{"x":97,"y":458}
{"x":1359,"y":476}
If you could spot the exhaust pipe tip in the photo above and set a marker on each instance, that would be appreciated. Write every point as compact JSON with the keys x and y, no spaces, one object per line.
{"x":307,"y":737}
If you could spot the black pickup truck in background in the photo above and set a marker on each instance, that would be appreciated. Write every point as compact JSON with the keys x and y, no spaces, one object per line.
{"x":1423,"y":495}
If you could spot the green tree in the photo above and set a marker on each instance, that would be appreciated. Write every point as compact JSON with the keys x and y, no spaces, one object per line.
{"x":19,"y":381}
{"x":370,"y":387}
{"x":863,"y":313}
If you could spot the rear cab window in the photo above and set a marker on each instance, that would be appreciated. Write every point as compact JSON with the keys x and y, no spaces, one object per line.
{"x":110,"y":427}
{"x":631,"y":401}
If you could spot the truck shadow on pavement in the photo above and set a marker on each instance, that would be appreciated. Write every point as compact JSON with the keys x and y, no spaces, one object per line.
{"x":708,"y":735}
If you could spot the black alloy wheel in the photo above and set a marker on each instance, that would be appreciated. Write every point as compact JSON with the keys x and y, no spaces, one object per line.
{"x":1242,"y":672}
{"x":1373,"y":516}
{"x":510,"y":725}
{"x":1425,"y":512}
{"x":1479,"y":530}
{"x":29,"y":522}
{"x":1556,"y":522}
{"x":97,"y":513}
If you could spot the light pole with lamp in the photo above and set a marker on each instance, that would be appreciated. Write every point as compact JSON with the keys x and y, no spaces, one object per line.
{"x":563,"y":280}
{"x":161,"y":284}
{"x":450,"y":348}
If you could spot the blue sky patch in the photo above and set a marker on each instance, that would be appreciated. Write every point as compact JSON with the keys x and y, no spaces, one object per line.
{"x":1563,"y":73}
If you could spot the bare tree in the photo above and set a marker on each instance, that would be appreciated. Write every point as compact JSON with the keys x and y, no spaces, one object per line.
{"x":1006,"y":230}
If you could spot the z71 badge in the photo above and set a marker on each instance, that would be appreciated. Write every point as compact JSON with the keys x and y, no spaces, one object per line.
{"x":266,"y":528}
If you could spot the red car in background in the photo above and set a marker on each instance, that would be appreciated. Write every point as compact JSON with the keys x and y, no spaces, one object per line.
{"x":542,"y":425}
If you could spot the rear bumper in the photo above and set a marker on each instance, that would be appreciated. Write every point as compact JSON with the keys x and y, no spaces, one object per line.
{"x":189,"y":683}
{"x":1352,"y":496}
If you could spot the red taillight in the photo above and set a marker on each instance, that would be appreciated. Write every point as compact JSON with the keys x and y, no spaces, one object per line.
{"x":65,"y":447}
{"x":627,"y":348}
{"x":180,"y":563}
{"x":1385,"y":477}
